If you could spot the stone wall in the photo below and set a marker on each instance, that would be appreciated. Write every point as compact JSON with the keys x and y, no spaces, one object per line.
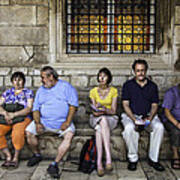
{"x":23,"y":32}
{"x":177,"y":36}
{"x":32,"y":34}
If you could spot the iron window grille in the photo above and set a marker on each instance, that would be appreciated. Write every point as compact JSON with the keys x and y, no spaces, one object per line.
{"x":110,"y":26}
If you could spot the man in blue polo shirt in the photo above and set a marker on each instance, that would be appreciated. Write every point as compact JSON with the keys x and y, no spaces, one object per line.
{"x":54,"y":106}
{"x":140,"y":102}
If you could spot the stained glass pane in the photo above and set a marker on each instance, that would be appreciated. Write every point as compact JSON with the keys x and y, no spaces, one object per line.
{"x":110,"y":26}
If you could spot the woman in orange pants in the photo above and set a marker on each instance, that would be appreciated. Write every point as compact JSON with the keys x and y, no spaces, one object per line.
{"x":23,"y":96}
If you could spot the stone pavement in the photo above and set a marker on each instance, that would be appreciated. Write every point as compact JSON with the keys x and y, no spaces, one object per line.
{"x":69,"y":172}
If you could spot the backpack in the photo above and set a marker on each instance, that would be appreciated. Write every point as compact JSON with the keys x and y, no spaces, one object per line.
{"x":88,"y":156}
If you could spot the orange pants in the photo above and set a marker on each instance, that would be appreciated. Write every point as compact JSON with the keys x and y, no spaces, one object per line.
{"x":17,"y":135}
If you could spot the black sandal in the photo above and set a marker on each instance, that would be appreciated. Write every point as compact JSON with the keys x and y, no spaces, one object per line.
{"x":175,"y":163}
{"x":13,"y":165}
{"x":6,"y":164}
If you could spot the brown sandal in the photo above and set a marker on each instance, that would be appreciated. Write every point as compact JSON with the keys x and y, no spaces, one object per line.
{"x":109,"y":167}
{"x":100,"y":172}
{"x":6,"y":164}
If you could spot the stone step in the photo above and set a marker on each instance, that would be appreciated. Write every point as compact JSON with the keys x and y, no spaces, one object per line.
{"x":91,"y":65}
{"x":48,"y":145}
{"x":69,"y":171}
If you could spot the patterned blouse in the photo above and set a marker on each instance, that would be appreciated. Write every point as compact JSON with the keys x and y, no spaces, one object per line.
{"x":21,"y":98}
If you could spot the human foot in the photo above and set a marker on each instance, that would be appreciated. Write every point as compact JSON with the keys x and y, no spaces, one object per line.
{"x":175,"y":163}
{"x":6,"y":164}
{"x":109,"y":167}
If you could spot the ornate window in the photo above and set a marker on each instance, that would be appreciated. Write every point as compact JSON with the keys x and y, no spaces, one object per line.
{"x":110,"y":26}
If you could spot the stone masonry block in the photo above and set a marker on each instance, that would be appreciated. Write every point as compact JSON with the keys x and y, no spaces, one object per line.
{"x":48,"y":145}
{"x":30,"y":2}
{"x":4,"y":71}
{"x":37,"y":82}
{"x":177,"y":34}
{"x":4,"y":2}
{"x":80,"y":81}
{"x":33,"y":71}
{"x":177,"y":15}
{"x":93,"y":81}
{"x":79,"y":71}
{"x":14,"y":55}
{"x":24,"y":70}
{"x":59,"y":71}
{"x":119,"y":80}
{"x":41,"y":54}
{"x":8,"y":81}
{"x":160,"y":81}
{"x":23,"y":36}
{"x":17,"y":15}
{"x":29,"y":50}
{"x":1,"y":82}
{"x":65,"y":78}
{"x":171,"y":81}
{"x":28,"y":81}
{"x":42,"y":15}
{"x":118,"y":148}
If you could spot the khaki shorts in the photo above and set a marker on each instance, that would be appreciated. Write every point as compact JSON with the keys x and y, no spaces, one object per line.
{"x":32,"y":129}
{"x":112,"y":120}
{"x":174,"y":133}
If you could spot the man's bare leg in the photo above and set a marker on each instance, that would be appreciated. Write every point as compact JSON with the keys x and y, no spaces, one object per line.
{"x":64,"y":146}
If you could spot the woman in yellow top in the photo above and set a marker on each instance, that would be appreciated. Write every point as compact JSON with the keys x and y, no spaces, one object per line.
{"x":103,"y":118}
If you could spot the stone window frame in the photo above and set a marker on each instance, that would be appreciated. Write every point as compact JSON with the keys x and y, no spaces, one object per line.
{"x":108,"y":19}
{"x":57,"y":40}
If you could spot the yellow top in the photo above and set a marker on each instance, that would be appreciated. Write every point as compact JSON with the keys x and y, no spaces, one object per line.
{"x":107,"y":101}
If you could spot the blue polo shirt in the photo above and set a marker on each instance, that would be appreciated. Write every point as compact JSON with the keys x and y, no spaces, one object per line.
{"x":140,"y":98}
{"x":53,"y":103}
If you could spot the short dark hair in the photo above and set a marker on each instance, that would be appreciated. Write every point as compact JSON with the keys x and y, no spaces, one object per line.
{"x":140,"y":61}
{"x":107,"y":72}
{"x":50,"y":71}
{"x":18,"y":74}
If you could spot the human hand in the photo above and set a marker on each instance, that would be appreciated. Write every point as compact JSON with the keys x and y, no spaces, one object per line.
{"x":139,"y":124}
{"x":64,"y":126}
{"x":139,"y":121}
{"x":8,"y":118}
{"x":39,"y":128}
{"x":11,"y":115}
{"x":98,"y":105}
{"x":98,"y":113}
{"x":9,"y":121}
{"x":178,"y":125}
{"x":147,"y":122}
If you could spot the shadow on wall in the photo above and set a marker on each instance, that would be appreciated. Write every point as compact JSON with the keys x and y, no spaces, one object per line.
{"x":177,"y":63}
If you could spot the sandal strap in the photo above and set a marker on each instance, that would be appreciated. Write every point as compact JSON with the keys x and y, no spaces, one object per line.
{"x":175,"y":163}
{"x":173,"y":160}
{"x":6,"y":163}
{"x":13,"y":163}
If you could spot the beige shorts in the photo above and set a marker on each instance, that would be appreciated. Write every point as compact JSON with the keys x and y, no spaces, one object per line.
{"x":32,"y":129}
{"x":112,"y":120}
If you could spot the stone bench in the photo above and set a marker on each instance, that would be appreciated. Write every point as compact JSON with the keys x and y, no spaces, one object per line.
{"x":49,"y":143}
